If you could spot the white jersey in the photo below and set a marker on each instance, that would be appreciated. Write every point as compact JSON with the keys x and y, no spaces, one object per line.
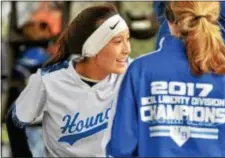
{"x":75,"y":114}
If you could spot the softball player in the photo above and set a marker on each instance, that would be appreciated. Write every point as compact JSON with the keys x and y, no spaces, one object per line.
{"x":75,"y":96}
{"x":172,"y":101}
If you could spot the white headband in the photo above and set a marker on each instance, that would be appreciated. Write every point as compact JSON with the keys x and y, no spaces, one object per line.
{"x":102,"y":35}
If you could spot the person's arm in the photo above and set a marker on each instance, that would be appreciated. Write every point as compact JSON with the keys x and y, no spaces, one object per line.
{"x":31,"y":102}
{"x":124,"y":132}
{"x":27,"y":107}
{"x":17,"y":138}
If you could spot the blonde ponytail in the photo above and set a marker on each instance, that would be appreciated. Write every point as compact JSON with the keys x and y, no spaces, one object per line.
{"x":197,"y":24}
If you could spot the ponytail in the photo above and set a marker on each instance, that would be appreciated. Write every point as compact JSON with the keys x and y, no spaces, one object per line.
{"x":197,"y":24}
{"x":205,"y":49}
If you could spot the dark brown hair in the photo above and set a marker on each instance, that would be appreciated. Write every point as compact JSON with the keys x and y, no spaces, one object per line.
{"x":87,"y":21}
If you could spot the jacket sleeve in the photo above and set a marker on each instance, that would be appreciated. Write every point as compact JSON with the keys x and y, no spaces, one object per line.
{"x":30,"y":103}
{"x":124,"y":131}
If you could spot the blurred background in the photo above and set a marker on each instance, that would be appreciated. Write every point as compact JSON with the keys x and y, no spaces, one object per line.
{"x":29,"y":31}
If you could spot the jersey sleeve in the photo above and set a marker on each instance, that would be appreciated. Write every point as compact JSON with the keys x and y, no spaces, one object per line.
{"x":124,"y":131}
{"x":31,"y":102}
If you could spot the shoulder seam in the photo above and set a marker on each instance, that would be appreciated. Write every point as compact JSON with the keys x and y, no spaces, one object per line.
{"x":156,"y":51}
{"x":54,"y":67}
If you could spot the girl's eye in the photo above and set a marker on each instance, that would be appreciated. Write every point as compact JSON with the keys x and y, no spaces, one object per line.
{"x":118,"y":41}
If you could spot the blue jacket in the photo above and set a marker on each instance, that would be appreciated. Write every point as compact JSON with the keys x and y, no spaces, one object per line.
{"x":222,"y":18}
{"x":158,"y":9}
{"x":165,"y":111}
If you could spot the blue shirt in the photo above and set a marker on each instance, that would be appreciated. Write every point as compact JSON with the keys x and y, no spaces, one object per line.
{"x":165,"y":111}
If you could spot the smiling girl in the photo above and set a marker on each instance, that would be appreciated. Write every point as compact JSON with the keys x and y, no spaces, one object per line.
{"x":76,"y":94}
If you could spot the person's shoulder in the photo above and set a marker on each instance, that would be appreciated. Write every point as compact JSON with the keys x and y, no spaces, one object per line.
{"x":54,"y":68}
{"x":150,"y":57}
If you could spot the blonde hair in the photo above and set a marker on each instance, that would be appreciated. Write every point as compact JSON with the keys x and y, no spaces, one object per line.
{"x":197,"y":24}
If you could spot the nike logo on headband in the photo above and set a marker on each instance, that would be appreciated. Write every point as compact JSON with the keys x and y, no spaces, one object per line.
{"x":113,"y":27}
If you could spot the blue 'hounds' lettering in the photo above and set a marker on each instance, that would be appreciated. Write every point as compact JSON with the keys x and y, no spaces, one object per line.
{"x":71,"y":139}
{"x":74,"y":127}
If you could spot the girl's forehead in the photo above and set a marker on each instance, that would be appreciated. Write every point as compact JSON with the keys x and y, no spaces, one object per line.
{"x":124,"y":33}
